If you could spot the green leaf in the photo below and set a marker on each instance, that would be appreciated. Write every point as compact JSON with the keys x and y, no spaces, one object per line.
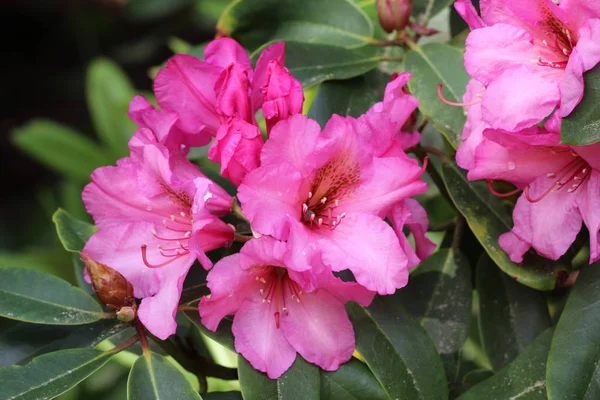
{"x":145,"y":10}
{"x":32,"y":296}
{"x":430,"y":65}
{"x":60,"y":148}
{"x":487,"y":218}
{"x":313,"y":63}
{"x":72,"y":232}
{"x":109,"y":92}
{"x":351,"y":97}
{"x":439,"y":297}
{"x":524,"y":378}
{"x":153,"y":377}
{"x":51,"y":374}
{"x":300,"y":381}
{"x":231,"y":395}
{"x":20,"y":341}
{"x":575,"y":355}
{"x":335,"y":22}
{"x":398,"y":351}
{"x":582,"y":126}
{"x":352,"y":381}
{"x":511,"y":315}
{"x":425,"y":9}
{"x":223,"y":335}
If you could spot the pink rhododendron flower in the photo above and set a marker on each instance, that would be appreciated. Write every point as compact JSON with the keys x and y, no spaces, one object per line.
{"x":280,"y":310}
{"x":561,"y":188}
{"x":155,"y":212}
{"x":219,"y":97}
{"x":332,"y":189}
{"x":530,"y":56}
{"x":472,"y":133}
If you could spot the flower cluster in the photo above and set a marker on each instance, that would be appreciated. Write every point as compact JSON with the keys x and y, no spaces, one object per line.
{"x":316,"y":201}
{"x":526,"y":61}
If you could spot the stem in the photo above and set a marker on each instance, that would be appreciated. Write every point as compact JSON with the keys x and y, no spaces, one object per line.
{"x":143,"y":338}
{"x":435,"y":176}
{"x":187,"y":308}
{"x":391,"y":58}
{"x":241,"y":238}
{"x":438,"y":153}
{"x":458,"y":232}
{"x":236,"y":210}
{"x":443,"y":227}
{"x":422,"y":125}
{"x":378,"y":42}
{"x":129,"y":342}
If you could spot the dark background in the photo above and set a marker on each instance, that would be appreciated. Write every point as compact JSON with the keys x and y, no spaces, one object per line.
{"x":46,"y":48}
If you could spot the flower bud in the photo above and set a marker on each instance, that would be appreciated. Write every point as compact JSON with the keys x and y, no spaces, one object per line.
{"x":126,"y":314}
{"x":110,"y":286}
{"x":393,"y":14}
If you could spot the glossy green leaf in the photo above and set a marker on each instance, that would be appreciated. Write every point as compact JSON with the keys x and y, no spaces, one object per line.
{"x":434,"y":64}
{"x":511,"y":315}
{"x":488,"y":219}
{"x":32,"y":296}
{"x":523,"y":379}
{"x":153,"y":377}
{"x":223,"y":335}
{"x":300,"y":381}
{"x":582,"y":126}
{"x":335,"y":22}
{"x":439,"y":297}
{"x":154,"y":9}
{"x":398,"y":350}
{"x":231,"y":395}
{"x":423,"y":10}
{"x":60,"y":148}
{"x":109,"y":92}
{"x":313,"y":63}
{"x":352,"y":381}
{"x":351,"y":97}
{"x":575,"y":355}
{"x":51,"y":374}
{"x":73,"y":233}
{"x":21,"y":341}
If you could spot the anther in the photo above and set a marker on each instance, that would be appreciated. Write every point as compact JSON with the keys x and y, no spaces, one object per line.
{"x":304,"y":208}
{"x":337,"y":203}
{"x":310,"y":194}
{"x":550,"y":174}
{"x":320,"y":221}
{"x":324,"y":200}
{"x":182,"y":214}
{"x":172,"y":218}
{"x":154,"y":232}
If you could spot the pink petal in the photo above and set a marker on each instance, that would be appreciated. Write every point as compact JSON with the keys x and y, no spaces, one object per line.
{"x":468,"y":12}
{"x":237,"y":148}
{"x":418,"y":223}
{"x":551,"y":236}
{"x":344,"y":291}
{"x":283,"y":94}
{"x":232,"y":93}
{"x":518,"y":98}
{"x":393,"y":179}
{"x":186,"y":85}
{"x":590,"y":154}
{"x":276,"y":52}
{"x":368,"y":247}
{"x":259,"y":340}
{"x":585,"y":55}
{"x":229,"y":286}
{"x":224,"y":51}
{"x":261,"y":252}
{"x":119,"y":247}
{"x":493,"y":49}
{"x":509,"y":156}
{"x":589,"y":204}
{"x":293,"y":141}
{"x":472,"y":133}
{"x":318,"y":328}
{"x":271,"y":193}
{"x":580,"y":11}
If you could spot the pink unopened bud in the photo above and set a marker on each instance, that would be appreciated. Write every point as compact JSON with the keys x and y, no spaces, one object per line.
{"x":393,"y":14}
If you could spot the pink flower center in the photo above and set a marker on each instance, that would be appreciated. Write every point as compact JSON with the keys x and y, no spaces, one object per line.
{"x":331,"y":184}
{"x":175,"y":240}
{"x":558,"y":43}
{"x":572,"y":175}
{"x":276,"y":286}
{"x":177,"y":232}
